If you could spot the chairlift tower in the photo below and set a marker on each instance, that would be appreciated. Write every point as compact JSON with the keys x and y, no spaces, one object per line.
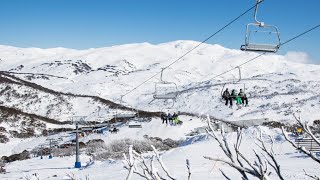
{"x":50,"y":147}
{"x":77,"y":164}
{"x":41,"y":151}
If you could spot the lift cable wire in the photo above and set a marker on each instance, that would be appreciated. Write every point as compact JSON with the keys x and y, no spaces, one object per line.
{"x":188,"y":52}
{"x":256,"y":57}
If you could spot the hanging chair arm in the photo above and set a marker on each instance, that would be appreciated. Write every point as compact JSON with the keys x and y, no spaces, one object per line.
{"x":223,"y":89}
{"x":161,"y":75}
{"x":239,"y":73}
{"x":255,"y":14}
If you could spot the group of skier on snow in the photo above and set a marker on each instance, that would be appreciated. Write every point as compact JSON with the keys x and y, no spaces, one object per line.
{"x":173,"y":119}
{"x":240,"y":98}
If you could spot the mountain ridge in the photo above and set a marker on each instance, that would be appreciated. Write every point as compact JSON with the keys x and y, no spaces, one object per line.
{"x":110,"y":72}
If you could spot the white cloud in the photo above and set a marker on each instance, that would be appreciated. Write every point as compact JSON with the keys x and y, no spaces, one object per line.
{"x":299,"y":57}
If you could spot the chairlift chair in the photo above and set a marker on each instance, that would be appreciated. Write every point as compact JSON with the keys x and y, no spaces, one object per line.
{"x":238,"y":82}
{"x":243,"y":86}
{"x":268,"y":29}
{"x":125,"y":114}
{"x":136,"y":122}
{"x":159,"y":94}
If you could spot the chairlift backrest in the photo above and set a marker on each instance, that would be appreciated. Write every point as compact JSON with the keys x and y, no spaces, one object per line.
{"x":165,"y":90}
{"x":232,"y":86}
{"x":250,"y":45}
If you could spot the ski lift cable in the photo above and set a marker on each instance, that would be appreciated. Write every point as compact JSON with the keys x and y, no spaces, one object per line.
{"x":301,"y":34}
{"x":202,"y":42}
{"x":256,"y":57}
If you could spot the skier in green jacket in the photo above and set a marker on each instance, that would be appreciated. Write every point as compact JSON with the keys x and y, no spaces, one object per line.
{"x":235,"y":96}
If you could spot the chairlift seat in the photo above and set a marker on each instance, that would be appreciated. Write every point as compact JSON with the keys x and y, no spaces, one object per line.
{"x":86,"y":128}
{"x":124,"y":115}
{"x":260,"y":47}
{"x":165,"y":96}
{"x":135,"y":124}
{"x":101,"y":125}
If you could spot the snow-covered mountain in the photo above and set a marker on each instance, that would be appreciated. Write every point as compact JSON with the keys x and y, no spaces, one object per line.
{"x":42,"y":88}
{"x":276,"y":87}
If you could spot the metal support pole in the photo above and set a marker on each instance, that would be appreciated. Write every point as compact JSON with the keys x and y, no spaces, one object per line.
{"x":50,"y":149}
{"x":41,"y":152}
{"x":77,"y":164}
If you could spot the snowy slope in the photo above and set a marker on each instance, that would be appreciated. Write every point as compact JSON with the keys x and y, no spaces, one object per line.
{"x":292,"y":162}
{"x":276,"y":86}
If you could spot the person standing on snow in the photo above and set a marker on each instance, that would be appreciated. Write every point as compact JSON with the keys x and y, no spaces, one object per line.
{"x":174,"y":118}
{"x":170,"y":118}
{"x":164,"y":118}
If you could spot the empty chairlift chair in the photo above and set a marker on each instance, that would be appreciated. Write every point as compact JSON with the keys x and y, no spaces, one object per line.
{"x":124,"y":115}
{"x":127,"y":114}
{"x":165,"y":90}
{"x":135,"y":122}
{"x":263,"y":31}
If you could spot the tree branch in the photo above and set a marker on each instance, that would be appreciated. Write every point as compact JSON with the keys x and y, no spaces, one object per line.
{"x":189,"y":169}
{"x":161,"y":163}
{"x":306,"y":128}
{"x":302,"y":149}
{"x":270,"y":154}
{"x":311,"y":176}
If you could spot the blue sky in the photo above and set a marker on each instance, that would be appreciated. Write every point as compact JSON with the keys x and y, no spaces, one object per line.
{"x":82,"y":24}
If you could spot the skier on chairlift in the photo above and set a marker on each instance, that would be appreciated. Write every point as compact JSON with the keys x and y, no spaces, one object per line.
{"x":236,"y":97}
{"x":227,"y":97}
{"x":243,"y":97}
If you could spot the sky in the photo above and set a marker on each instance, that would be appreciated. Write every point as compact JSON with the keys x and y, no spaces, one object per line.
{"x":82,"y":24}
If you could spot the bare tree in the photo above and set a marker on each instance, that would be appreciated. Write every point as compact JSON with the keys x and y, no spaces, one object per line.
{"x":2,"y":167}
{"x":258,"y":168}
{"x":302,"y":149}
{"x":306,"y":129}
{"x":143,"y":170}
{"x":270,"y":153}
{"x":189,"y":169}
